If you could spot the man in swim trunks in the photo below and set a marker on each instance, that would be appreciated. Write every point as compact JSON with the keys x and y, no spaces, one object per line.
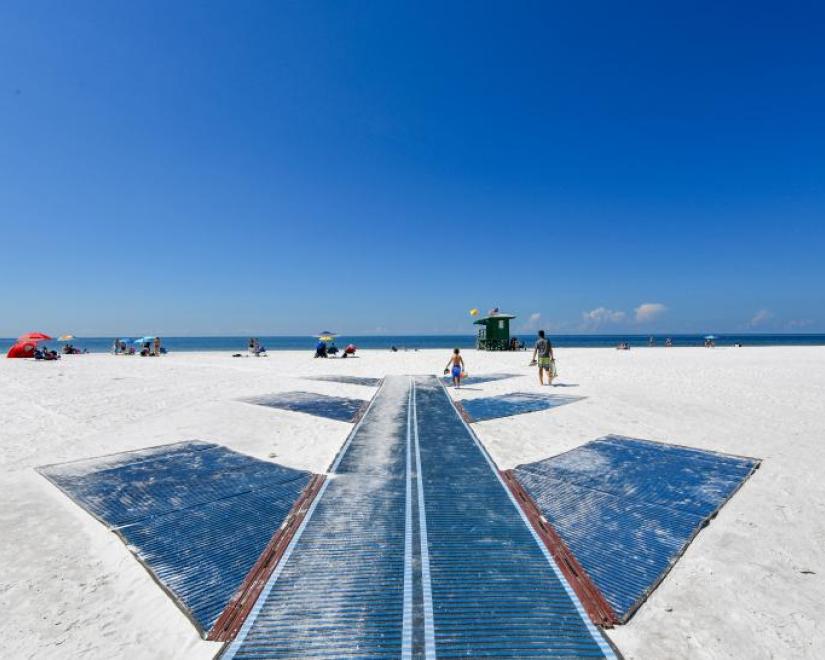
{"x":543,"y":352}
{"x":457,"y":368}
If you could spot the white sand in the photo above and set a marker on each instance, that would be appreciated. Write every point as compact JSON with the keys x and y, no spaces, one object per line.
{"x":70,"y":588}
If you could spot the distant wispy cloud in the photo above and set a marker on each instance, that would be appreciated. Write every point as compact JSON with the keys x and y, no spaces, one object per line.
{"x":533,"y":322}
{"x":760,"y":318}
{"x":647,"y":312}
{"x":798,"y":324}
{"x":600,"y":316}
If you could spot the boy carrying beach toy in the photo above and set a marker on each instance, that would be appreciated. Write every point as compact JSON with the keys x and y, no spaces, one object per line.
{"x":457,"y":368}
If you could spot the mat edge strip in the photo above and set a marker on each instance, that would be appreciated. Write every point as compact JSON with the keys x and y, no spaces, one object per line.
{"x":240,"y":605}
{"x":592,"y":599}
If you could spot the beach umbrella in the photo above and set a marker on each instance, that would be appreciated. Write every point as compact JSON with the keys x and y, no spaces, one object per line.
{"x":326,"y":335}
{"x":65,"y":338}
{"x":24,"y":348}
{"x":34,"y":336}
{"x":143,"y":340}
{"x":710,"y":336}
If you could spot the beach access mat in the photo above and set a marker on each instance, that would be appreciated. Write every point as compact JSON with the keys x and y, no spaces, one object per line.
{"x":349,"y":380}
{"x":483,"y":378}
{"x":321,"y":405}
{"x":517,"y":403}
{"x":414,"y":548}
{"x":196,"y":514}
{"x":627,"y":509}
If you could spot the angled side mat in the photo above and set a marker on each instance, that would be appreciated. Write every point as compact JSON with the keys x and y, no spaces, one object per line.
{"x":481,"y":378}
{"x":619,"y":512}
{"x":321,"y":405}
{"x":516,"y":403}
{"x":197,"y":515}
{"x":348,"y":380}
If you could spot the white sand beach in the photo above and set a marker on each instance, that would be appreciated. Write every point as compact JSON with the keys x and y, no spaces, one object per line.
{"x":750,"y":586}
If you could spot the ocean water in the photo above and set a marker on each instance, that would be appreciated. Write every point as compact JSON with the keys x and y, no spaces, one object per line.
{"x":414,"y":342}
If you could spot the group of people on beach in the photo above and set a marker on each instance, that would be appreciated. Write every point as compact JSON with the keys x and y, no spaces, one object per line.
{"x":324,"y":349}
{"x":543,"y":358}
{"x":151,"y":347}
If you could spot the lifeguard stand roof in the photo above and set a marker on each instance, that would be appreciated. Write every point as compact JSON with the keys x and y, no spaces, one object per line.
{"x":492,"y":317}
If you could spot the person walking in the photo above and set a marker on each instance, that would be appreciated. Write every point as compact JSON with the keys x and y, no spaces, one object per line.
{"x":543,"y":356}
{"x":455,"y":367}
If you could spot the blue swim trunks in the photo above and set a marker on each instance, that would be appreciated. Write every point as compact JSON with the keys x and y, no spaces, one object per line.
{"x":456,"y":371}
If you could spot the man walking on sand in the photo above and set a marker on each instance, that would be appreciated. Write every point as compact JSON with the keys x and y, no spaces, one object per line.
{"x":544,"y":353}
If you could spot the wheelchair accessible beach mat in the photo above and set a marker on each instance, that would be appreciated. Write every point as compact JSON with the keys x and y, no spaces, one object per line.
{"x":483,"y":378}
{"x":197,"y":515}
{"x":626,"y":509}
{"x":349,"y":380}
{"x":517,"y":403}
{"x":320,"y":405}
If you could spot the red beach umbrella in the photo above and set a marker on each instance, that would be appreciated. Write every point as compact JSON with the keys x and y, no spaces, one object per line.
{"x":22,"y":349}
{"x":34,"y":336}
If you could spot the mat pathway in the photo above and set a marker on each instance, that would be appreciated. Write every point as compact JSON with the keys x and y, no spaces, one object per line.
{"x":414,"y":548}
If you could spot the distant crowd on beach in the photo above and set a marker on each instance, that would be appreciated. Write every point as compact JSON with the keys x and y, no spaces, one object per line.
{"x":149,"y":346}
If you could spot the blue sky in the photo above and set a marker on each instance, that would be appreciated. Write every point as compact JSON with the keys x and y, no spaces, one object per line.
{"x":383,"y":167}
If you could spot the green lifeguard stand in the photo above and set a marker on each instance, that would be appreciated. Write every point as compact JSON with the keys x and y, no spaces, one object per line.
{"x":494,"y":333}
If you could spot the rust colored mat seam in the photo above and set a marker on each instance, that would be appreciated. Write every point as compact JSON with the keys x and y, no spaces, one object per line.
{"x":239,"y":606}
{"x":462,"y":411}
{"x":592,"y":599}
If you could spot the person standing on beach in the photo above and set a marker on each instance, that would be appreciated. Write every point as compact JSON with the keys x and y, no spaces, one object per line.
{"x":543,"y":353}
{"x":457,"y":368}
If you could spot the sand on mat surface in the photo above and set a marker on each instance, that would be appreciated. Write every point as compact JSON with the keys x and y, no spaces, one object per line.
{"x":750,"y":586}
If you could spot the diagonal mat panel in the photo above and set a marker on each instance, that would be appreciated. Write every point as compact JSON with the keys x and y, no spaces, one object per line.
{"x":483,"y":378}
{"x":349,"y":380}
{"x":627,"y":509}
{"x":197,"y":515}
{"x":517,"y":403}
{"x":321,"y":405}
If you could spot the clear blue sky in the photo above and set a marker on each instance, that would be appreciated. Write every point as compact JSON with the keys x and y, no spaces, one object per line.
{"x":383,"y":167}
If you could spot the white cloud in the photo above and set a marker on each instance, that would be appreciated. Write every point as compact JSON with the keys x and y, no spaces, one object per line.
{"x":760,"y":318}
{"x":532,"y":323}
{"x":602,"y":316}
{"x":647,"y":312}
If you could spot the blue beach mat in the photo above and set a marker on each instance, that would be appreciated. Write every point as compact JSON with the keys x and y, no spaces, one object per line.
{"x":627,"y":509}
{"x":483,"y":378}
{"x":196,"y":514}
{"x":517,"y":403}
{"x":349,"y":380}
{"x":321,"y":405}
{"x":415,"y":549}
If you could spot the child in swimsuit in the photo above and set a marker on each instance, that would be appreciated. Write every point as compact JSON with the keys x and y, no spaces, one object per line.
{"x":455,"y":366}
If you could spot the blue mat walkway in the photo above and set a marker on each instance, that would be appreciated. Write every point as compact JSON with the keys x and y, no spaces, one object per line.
{"x":415,"y":548}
